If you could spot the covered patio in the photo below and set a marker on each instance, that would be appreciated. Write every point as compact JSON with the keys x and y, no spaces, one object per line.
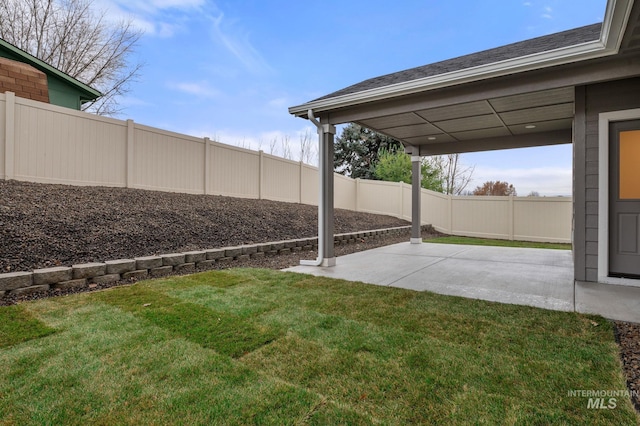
{"x":544,"y":91}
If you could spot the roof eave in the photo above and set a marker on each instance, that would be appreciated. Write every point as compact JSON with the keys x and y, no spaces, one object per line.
{"x":43,"y":66}
{"x":613,"y":28}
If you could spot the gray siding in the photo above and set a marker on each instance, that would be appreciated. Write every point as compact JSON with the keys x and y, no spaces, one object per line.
{"x":590,"y":102}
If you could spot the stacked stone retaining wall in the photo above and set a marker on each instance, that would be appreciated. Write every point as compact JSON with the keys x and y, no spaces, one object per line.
{"x":86,"y":274}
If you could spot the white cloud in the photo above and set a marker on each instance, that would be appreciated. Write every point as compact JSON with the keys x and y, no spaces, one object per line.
{"x":154,"y":17}
{"x":237,"y":41}
{"x":275,"y":142}
{"x":547,"y":12}
{"x":526,"y":3}
{"x":548,"y":181}
{"x":201,"y":89}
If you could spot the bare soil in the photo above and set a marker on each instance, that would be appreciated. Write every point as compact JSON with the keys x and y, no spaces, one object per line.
{"x":58,"y":225}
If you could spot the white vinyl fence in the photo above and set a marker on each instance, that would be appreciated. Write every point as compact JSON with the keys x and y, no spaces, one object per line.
{"x":50,"y":144}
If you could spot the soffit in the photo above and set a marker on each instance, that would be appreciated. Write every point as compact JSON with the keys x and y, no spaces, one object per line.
{"x":536,"y":112}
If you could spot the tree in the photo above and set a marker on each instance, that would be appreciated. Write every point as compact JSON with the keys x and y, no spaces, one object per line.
{"x":395,"y":166}
{"x":534,"y":194}
{"x":455,"y":176}
{"x":357,"y":151}
{"x":70,"y":36}
{"x":495,"y":188}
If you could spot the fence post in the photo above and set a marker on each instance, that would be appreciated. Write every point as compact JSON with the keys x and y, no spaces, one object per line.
{"x":207,"y":165}
{"x":300,"y":183}
{"x":10,"y":135}
{"x":357,"y":194}
{"x":260,"y":175}
{"x":450,"y":199}
{"x":511,"y":218}
{"x":130,"y":152}
{"x":401,"y":186}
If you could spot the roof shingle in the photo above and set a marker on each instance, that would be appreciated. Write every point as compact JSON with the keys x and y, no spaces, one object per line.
{"x":511,"y":51}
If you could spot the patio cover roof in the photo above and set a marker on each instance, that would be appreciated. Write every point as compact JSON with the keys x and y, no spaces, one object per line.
{"x":517,"y":95}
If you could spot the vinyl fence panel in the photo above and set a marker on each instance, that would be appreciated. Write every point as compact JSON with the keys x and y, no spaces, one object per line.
{"x":50,"y":144}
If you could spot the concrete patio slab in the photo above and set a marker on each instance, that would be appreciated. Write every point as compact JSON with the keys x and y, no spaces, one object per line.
{"x":534,"y":277}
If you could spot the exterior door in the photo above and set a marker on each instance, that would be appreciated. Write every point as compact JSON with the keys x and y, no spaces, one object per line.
{"x":624,"y":199}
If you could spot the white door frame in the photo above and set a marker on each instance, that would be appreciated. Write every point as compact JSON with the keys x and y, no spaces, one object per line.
{"x":604,"y":119}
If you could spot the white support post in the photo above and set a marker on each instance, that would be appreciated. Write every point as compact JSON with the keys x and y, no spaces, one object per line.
{"x":10,"y":135}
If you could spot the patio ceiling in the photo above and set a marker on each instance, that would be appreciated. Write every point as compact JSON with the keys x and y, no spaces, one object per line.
{"x":546,"y":113}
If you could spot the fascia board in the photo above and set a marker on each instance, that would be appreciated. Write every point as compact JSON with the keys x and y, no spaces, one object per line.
{"x":616,"y":17}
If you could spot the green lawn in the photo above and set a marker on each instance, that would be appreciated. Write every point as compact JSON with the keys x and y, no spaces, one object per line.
{"x":251,"y":346}
{"x":452,"y":239}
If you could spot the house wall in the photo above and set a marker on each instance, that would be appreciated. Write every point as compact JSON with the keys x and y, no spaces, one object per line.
{"x":592,"y":100}
{"x":60,"y":92}
{"x":24,"y":80}
{"x":50,"y":144}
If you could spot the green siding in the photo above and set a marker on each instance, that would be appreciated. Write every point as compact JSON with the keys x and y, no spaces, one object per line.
{"x":61,"y":94}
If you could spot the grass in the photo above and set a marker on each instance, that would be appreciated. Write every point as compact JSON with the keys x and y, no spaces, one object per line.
{"x":452,"y":239}
{"x":252,"y":346}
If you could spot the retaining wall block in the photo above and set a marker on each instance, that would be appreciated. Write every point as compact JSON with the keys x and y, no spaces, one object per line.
{"x":172,"y":259}
{"x":185,"y":268}
{"x":137,"y":275}
{"x":232,"y":251}
{"x":161,"y":271}
{"x":257,"y":255}
{"x":214,"y":254}
{"x":243,"y":257}
{"x":205,"y":264}
{"x":290,"y":244}
{"x":264,"y":247}
{"x":195,"y":256}
{"x":249,"y":249}
{"x":28,"y":290}
{"x":52,"y":275}
{"x":88,"y":270}
{"x":75,"y":283}
{"x":13,"y":280}
{"x":106,"y":279}
{"x":120,"y":266}
{"x":147,"y":262}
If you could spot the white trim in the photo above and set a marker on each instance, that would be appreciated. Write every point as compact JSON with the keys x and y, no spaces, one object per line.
{"x":604,"y":119}
{"x":613,"y":28}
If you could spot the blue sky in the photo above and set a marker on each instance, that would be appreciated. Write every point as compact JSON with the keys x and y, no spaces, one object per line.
{"x":230,"y":69}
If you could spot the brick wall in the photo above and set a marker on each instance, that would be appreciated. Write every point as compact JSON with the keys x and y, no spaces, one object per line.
{"x":23,"y":80}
